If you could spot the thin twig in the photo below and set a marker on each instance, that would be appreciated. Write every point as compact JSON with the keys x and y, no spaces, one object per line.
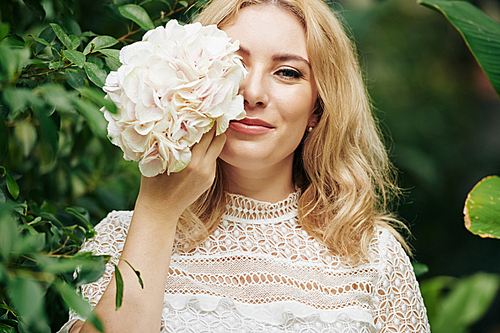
{"x":46,"y":73}
{"x":62,"y":246}
{"x":122,"y":38}
{"x":26,"y":257}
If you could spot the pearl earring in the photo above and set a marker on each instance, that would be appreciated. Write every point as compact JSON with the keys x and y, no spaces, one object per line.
{"x":310,"y":128}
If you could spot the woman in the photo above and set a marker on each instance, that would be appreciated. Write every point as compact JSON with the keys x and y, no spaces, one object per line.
{"x":282,"y":223}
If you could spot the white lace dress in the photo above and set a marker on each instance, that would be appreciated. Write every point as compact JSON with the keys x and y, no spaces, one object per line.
{"x":260,"y":272}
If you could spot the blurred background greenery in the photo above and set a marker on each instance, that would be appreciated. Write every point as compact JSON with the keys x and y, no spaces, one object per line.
{"x":439,"y":113}
{"x":442,"y":119}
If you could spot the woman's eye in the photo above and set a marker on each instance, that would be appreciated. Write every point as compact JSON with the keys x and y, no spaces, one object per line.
{"x":289,"y":73}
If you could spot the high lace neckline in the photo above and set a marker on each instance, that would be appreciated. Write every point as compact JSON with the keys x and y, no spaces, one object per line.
{"x":242,"y":209}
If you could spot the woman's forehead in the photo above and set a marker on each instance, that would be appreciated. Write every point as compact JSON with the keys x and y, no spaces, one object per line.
{"x":268,"y":26}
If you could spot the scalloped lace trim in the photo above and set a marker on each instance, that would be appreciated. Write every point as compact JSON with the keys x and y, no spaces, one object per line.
{"x":245,"y":210}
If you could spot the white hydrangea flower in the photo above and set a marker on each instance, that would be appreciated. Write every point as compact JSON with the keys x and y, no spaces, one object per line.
{"x":172,"y":87}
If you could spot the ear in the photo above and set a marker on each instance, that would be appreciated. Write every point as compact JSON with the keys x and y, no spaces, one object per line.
{"x":313,"y":120}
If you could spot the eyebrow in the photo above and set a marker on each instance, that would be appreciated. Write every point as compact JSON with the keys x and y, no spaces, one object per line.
{"x":279,"y":57}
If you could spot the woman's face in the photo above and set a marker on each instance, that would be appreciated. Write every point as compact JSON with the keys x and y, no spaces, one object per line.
{"x":280,"y":92}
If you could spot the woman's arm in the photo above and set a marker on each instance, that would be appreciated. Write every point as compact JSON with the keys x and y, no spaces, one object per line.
{"x":148,"y":247}
{"x":400,"y":304}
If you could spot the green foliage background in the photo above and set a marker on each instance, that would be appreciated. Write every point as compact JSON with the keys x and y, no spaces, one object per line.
{"x":439,"y":114}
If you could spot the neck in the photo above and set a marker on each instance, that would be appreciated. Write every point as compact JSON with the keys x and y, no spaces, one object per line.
{"x":271,"y":184}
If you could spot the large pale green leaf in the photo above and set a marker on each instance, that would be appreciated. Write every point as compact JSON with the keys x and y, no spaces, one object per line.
{"x":480,"y":32}
{"x":482,"y":208}
{"x":454,"y":304}
{"x":76,"y":57}
{"x":138,"y":15}
{"x":25,"y":133}
{"x":112,"y":54}
{"x":12,"y":60}
{"x":100,"y":42}
{"x":94,"y":116}
{"x":63,"y":37}
{"x":27,"y":297}
{"x":57,"y":96}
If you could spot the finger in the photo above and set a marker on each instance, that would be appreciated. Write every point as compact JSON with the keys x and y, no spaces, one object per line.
{"x":216,"y":147}
{"x":202,"y":146}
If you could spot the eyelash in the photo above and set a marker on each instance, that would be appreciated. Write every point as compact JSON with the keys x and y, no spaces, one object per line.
{"x":289,"y":74}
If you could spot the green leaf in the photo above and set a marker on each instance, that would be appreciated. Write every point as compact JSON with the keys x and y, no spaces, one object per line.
{"x":12,"y":60}
{"x":4,"y":30}
{"x":57,"y":96}
{"x":75,"y":42}
{"x":95,"y":74}
{"x":100,"y":42}
{"x":48,"y":129}
{"x":80,"y":306}
{"x":480,"y":32}
{"x":56,"y":65}
{"x":184,"y":4}
{"x":63,"y":37}
{"x":419,"y":268}
{"x":25,"y":133}
{"x":119,"y":288}
{"x":482,"y":208}
{"x":467,"y":301}
{"x":7,"y":329}
{"x":18,"y":99}
{"x":73,"y":300}
{"x":75,"y":79}
{"x":97,"y":97}
{"x":4,"y":138}
{"x":48,"y":36}
{"x":76,"y":57}
{"x":80,"y":217}
{"x":112,"y":54}
{"x":36,"y":7}
{"x":8,"y":229}
{"x":91,"y":270}
{"x":43,"y":42}
{"x":12,"y":186}
{"x":136,"y":273}
{"x":27,"y":298}
{"x":138,"y":15}
{"x":95,"y":118}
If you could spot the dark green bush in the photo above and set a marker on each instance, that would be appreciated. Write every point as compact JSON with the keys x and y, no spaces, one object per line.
{"x":59,"y":173}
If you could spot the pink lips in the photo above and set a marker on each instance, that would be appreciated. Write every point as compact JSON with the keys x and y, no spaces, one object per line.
{"x":251,"y":126}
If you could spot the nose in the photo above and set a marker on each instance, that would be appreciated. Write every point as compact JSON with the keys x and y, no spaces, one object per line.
{"x":254,"y":89}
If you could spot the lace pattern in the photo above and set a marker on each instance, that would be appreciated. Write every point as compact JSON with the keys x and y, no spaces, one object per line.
{"x":245,"y":210}
{"x":259,"y":271}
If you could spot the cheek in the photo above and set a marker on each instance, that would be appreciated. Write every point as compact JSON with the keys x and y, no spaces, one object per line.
{"x":297,"y":107}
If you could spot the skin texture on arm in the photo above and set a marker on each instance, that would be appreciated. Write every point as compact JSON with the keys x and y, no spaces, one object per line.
{"x":148,"y":247}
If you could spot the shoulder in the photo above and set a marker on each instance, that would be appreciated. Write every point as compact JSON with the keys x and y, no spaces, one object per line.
{"x":387,"y":250}
{"x":384,"y":240}
{"x":111,"y":233}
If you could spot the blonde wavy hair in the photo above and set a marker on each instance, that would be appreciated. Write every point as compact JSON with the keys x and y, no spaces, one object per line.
{"x":341,"y":167}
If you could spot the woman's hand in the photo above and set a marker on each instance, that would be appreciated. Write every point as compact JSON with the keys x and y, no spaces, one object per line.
{"x":180,"y":189}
